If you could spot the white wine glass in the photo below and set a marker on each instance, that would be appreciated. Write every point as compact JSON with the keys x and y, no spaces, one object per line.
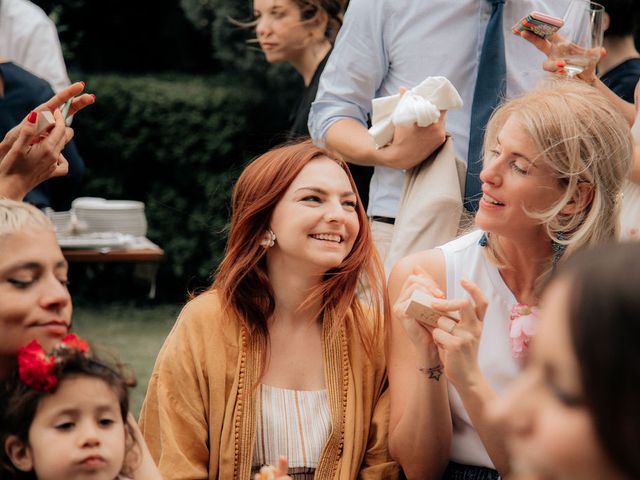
{"x":579,"y":41}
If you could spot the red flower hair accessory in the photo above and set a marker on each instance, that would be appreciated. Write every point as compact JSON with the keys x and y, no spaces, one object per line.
{"x":38,"y":370}
{"x":74,"y":342}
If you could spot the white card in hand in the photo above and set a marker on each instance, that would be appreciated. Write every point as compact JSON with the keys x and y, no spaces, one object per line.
{"x":45,"y":120}
{"x":420,"y":308}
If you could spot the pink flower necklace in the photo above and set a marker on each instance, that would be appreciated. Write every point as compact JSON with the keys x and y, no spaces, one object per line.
{"x":522,"y":328}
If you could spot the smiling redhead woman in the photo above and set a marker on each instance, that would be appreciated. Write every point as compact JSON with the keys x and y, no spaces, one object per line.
{"x":279,"y":358}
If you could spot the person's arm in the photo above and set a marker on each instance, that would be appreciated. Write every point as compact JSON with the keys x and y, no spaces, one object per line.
{"x":410,"y":145}
{"x":420,"y":426}
{"x":588,"y":75}
{"x":458,"y":348}
{"x":352,"y":77}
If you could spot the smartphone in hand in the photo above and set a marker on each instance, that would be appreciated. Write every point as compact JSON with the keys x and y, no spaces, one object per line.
{"x":539,"y":23}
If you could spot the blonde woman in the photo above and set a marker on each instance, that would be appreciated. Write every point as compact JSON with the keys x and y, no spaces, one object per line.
{"x":555,"y":162}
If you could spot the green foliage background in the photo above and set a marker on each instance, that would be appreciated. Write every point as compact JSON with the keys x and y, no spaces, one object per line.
{"x":183,"y":102}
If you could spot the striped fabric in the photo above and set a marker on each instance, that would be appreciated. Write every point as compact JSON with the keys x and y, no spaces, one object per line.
{"x":294,"y":423}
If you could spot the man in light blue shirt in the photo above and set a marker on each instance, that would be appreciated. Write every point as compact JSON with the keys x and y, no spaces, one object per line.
{"x":388,"y":44}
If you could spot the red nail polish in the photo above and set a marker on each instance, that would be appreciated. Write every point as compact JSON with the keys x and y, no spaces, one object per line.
{"x":82,"y":83}
{"x":32,"y":117}
{"x":560,"y":64}
{"x":93,"y":96}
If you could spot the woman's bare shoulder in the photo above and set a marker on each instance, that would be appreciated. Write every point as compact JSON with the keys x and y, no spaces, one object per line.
{"x":430,"y":262}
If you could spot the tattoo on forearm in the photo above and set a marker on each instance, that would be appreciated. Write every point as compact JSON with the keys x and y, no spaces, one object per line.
{"x":433,"y":373}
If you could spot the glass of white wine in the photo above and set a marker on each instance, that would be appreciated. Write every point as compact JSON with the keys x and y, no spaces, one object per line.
{"x":579,"y":41}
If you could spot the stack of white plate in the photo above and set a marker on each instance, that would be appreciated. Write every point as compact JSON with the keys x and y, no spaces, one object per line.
{"x":61,"y":221}
{"x":122,"y":216}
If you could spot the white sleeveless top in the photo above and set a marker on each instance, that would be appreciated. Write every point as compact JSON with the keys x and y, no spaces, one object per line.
{"x":630,"y":213}
{"x":464,"y":260}
{"x":293,"y":423}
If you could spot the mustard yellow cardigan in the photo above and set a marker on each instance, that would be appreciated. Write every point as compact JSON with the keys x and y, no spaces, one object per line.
{"x":199,"y":415}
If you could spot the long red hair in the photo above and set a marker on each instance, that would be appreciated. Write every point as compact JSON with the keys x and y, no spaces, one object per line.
{"x":242,"y":280}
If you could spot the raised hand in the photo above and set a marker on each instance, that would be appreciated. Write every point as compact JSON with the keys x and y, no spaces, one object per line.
{"x":80,"y":101}
{"x":556,"y":65}
{"x":458,"y":341}
{"x":28,"y":158}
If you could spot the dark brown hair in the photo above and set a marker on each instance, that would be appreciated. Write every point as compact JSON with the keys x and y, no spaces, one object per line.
{"x":19,"y":403}
{"x":309,"y":10}
{"x":604,"y":324}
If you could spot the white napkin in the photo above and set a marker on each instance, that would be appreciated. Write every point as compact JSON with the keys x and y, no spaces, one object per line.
{"x":420,"y":105}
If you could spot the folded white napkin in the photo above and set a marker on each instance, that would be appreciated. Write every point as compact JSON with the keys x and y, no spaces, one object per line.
{"x":420,"y":105}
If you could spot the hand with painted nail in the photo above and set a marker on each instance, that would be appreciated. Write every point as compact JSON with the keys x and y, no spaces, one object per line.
{"x":74,"y":91}
{"x":458,"y":342}
{"x":556,"y":50}
{"x":29,"y":157}
{"x":25,"y":164}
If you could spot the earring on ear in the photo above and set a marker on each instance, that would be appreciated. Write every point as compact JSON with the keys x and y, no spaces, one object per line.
{"x":268,"y":239}
{"x":558,"y":250}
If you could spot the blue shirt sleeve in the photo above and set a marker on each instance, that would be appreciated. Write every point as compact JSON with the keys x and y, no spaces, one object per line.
{"x":355,"y":70}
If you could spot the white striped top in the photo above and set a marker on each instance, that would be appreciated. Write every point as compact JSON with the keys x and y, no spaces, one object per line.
{"x":293,"y":423}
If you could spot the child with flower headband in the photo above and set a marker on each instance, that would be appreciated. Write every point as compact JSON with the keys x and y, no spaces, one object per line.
{"x":65,"y":416}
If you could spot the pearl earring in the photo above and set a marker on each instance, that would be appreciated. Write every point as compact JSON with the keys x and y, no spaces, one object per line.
{"x":268,"y":239}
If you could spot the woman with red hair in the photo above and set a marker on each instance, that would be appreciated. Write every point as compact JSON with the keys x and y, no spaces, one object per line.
{"x":278,"y":357}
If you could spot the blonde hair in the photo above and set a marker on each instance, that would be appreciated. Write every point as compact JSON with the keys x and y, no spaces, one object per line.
{"x":583,"y":139}
{"x":15,"y":216}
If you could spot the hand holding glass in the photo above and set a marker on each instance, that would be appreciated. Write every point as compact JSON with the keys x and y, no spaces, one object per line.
{"x":579,"y":42}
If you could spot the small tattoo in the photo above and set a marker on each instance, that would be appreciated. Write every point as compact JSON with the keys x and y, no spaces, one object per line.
{"x":434,"y":372}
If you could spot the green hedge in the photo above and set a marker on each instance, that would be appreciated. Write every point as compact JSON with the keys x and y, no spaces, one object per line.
{"x":176,"y":143}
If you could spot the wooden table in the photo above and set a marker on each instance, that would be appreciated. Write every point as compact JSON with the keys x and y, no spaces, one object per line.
{"x":146,"y":255}
{"x":151,"y":254}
